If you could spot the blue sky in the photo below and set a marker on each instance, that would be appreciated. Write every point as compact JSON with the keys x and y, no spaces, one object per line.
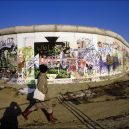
{"x":111,"y":15}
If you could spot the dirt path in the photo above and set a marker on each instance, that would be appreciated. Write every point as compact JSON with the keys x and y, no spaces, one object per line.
{"x":109,"y":107}
{"x":106,"y":110}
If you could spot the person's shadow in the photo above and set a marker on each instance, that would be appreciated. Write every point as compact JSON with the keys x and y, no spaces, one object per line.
{"x":9,"y":119}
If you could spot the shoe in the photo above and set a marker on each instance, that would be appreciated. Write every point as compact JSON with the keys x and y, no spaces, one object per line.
{"x":26,"y":113}
{"x":51,"y":118}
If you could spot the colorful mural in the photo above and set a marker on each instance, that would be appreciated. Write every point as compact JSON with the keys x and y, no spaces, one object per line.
{"x":25,"y":64}
{"x":8,"y":59}
{"x":52,"y":53}
{"x":87,"y":60}
{"x":69,"y":56}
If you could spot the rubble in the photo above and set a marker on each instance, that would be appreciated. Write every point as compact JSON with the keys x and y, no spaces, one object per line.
{"x":78,"y":94}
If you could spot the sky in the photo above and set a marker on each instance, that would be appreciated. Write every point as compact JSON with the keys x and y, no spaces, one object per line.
{"x":110,"y":15}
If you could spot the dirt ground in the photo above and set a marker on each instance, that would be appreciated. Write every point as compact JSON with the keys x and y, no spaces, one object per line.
{"x":109,"y":107}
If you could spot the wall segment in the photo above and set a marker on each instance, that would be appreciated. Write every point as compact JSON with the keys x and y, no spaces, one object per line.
{"x":71,"y":53}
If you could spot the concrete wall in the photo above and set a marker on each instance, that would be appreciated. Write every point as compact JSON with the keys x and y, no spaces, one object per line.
{"x":73,"y":53}
{"x":61,"y":28}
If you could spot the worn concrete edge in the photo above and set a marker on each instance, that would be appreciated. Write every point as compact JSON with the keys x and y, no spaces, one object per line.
{"x":62,"y":28}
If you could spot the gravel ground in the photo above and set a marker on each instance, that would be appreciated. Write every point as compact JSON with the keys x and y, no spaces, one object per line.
{"x":109,"y":107}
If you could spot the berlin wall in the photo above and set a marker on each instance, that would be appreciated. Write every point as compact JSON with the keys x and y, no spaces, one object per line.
{"x":71,"y":53}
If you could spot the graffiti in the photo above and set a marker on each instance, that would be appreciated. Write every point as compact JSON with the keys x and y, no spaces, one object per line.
{"x":6,"y":43}
{"x":85,"y":62}
{"x":89,"y":56}
{"x":44,"y":47}
{"x":105,"y":48}
{"x":88,"y":59}
{"x":116,"y":46}
{"x":26,"y":61}
{"x":8,"y":60}
{"x":50,"y":48}
{"x":84,"y":43}
{"x":21,"y":61}
{"x":34,"y":60}
{"x":125,"y":59}
{"x":52,"y":54}
{"x":20,"y":81}
{"x":24,"y":55}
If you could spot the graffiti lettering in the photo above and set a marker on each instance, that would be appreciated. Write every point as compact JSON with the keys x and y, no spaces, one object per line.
{"x":43,"y":48}
{"x":6,"y":43}
{"x":105,"y":47}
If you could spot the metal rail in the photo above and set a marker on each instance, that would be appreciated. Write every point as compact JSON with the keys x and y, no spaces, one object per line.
{"x":82,"y":117}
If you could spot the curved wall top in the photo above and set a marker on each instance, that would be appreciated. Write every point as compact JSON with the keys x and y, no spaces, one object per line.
{"x":61,"y":28}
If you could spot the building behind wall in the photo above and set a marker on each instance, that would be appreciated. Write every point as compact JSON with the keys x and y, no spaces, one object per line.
{"x":71,"y":52}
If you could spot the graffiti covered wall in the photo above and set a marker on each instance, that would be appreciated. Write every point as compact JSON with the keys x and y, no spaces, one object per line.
{"x":8,"y":57}
{"x":69,"y":56}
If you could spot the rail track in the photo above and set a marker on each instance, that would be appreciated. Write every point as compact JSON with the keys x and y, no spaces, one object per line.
{"x":82,"y":117}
